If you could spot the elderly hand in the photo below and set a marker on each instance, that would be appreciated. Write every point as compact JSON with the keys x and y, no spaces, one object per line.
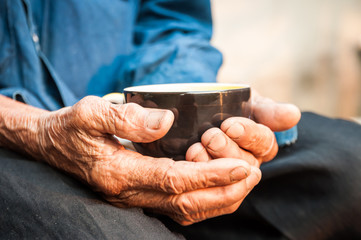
{"x":79,"y":140}
{"x":245,"y":139}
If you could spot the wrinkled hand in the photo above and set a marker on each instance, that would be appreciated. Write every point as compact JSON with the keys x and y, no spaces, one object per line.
{"x":243,"y":138}
{"x":246,"y":139}
{"x":79,"y":140}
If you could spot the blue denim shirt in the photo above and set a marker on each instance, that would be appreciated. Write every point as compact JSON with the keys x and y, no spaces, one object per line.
{"x":53,"y":53}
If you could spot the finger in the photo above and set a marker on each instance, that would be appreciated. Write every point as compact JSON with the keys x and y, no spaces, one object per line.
{"x":256,"y":138}
{"x":139,"y":124}
{"x":128,"y":121}
{"x":190,"y":206}
{"x":212,"y":199}
{"x":182,"y":176}
{"x":276,"y":116}
{"x":165,"y":175}
{"x":187,"y":220}
{"x":251,"y":182}
{"x":198,"y":217}
{"x":219,"y":145}
{"x":198,"y":153}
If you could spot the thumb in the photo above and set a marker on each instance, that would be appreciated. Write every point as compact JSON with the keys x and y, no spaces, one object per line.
{"x":129,"y":121}
{"x":135,"y":123}
{"x":276,"y":116}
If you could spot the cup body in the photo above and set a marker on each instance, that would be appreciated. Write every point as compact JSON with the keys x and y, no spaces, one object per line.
{"x":196,"y":107}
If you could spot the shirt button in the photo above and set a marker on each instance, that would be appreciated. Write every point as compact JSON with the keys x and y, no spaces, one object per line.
{"x":35,"y":38}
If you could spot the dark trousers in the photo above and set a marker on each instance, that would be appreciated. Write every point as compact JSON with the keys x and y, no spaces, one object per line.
{"x":312,"y":190}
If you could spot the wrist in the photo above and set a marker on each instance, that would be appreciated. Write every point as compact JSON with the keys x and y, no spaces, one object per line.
{"x":19,"y":127}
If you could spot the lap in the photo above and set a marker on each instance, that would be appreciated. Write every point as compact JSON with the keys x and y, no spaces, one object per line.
{"x":310,"y":191}
{"x":37,"y":201}
{"x":317,"y":182}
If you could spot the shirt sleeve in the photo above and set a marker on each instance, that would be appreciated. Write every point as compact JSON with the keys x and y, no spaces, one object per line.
{"x":172,"y":44}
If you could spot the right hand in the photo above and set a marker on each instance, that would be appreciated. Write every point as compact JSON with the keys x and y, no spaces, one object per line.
{"x":243,"y":138}
{"x":79,"y":140}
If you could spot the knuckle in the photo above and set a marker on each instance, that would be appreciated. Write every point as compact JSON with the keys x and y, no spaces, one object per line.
{"x":86,"y":107}
{"x":215,"y":140}
{"x":246,"y":132}
{"x":182,"y":205}
{"x":190,"y":219}
{"x":260,"y":138}
{"x":251,"y":142}
{"x":103,"y":182}
{"x":129,"y":116}
{"x":197,"y":153}
{"x":128,"y":109}
{"x":82,"y":106}
{"x":125,"y":199}
{"x":267,"y":143}
{"x":171,"y":181}
{"x":86,"y":103}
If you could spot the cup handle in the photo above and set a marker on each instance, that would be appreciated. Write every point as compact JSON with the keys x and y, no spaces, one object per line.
{"x":118,"y":98}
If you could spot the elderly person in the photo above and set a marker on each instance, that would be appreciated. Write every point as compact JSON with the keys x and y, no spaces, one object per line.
{"x":56,"y":53}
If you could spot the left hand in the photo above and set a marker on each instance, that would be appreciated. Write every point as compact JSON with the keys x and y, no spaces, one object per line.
{"x":246,"y":139}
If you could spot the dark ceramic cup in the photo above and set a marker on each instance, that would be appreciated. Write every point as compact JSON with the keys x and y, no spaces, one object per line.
{"x":196,"y":107}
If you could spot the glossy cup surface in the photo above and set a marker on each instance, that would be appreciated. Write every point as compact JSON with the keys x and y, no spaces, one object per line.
{"x":196,"y":107}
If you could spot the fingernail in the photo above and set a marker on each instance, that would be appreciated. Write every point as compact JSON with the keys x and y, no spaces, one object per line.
{"x":238,"y":174}
{"x":236,"y":130}
{"x":154,"y":119}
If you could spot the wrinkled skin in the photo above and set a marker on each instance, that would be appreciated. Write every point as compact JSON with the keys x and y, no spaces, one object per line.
{"x":210,"y":182}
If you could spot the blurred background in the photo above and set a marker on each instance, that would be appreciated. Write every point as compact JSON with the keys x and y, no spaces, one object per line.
{"x":305,"y":52}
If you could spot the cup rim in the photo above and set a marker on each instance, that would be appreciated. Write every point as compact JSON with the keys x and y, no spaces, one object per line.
{"x":180,"y":88}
